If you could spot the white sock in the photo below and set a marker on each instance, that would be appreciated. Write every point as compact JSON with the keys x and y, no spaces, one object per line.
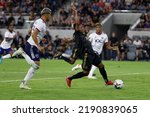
{"x":79,"y":66}
{"x":6,"y":56}
{"x":29,"y":74}
{"x":92,"y":71}
{"x":28,"y":59}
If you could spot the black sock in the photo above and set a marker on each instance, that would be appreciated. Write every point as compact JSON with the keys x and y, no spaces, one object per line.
{"x":78,"y":75}
{"x":66,"y":59}
{"x":104,"y":74}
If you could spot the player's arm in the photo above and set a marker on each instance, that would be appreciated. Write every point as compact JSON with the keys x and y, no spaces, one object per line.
{"x":107,"y":46}
{"x":75,"y":14}
{"x":35,"y":39}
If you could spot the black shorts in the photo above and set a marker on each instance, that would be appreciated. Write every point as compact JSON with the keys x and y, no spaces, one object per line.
{"x":89,"y":60}
{"x":97,"y":59}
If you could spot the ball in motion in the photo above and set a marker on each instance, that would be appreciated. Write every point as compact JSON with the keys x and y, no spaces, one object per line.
{"x":118,"y":84}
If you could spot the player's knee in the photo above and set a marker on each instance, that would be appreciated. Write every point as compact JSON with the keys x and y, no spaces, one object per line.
{"x":86,"y":72}
{"x":72,"y":60}
{"x":35,"y":66}
{"x":101,"y":65}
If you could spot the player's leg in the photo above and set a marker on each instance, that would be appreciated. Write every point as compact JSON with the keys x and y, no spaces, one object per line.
{"x":97,"y":62}
{"x":86,"y":66}
{"x":104,"y":74}
{"x":20,"y":51}
{"x":28,"y":76}
{"x":8,"y":53}
{"x":1,"y":52}
{"x":31,"y":52}
{"x":78,"y":66}
{"x":90,"y":75}
{"x":68,"y":58}
{"x":76,"y":76}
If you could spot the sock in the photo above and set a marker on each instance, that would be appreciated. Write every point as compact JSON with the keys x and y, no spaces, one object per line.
{"x":28,"y":59}
{"x":104,"y":74}
{"x":78,"y":75}
{"x":92,"y":71}
{"x":79,"y":66}
{"x":29,"y":74}
{"x":6,"y":56}
{"x":66,"y":59}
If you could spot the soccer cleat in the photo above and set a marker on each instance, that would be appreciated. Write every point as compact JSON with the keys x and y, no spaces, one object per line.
{"x":92,"y":77}
{"x":78,"y":66}
{"x":24,"y":86}
{"x":1,"y":59}
{"x":68,"y":81}
{"x":109,"y":83}
{"x":18,"y":52}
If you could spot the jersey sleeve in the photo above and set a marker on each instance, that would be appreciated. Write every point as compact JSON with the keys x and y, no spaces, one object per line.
{"x":38,"y":26}
{"x":6,"y":35}
{"x":106,"y":40}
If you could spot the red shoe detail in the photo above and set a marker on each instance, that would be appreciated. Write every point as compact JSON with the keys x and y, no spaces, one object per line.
{"x":109,"y":83}
{"x":68,"y":81}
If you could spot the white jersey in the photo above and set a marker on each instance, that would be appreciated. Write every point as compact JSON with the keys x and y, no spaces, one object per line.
{"x":41,"y":26}
{"x":7,"y":44}
{"x":98,"y":41}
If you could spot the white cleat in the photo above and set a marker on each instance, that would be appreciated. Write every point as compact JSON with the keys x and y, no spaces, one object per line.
{"x":18,"y":52}
{"x":92,"y":77}
{"x":78,"y":66}
{"x":24,"y":86}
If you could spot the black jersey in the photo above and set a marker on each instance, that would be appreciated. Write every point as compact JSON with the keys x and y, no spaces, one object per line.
{"x":82,"y":45}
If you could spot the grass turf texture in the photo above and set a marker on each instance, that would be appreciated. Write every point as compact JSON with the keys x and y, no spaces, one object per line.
{"x":49,"y":81}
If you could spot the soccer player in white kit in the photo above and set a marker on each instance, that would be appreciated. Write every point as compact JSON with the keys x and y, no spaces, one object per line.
{"x":5,"y":46}
{"x":33,"y":48}
{"x":97,"y":39}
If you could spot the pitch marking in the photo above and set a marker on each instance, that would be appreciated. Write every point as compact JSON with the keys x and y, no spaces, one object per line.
{"x":119,"y":74}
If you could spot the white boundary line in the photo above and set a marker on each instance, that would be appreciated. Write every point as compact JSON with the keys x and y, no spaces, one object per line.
{"x":119,"y":74}
{"x":6,"y":81}
{"x":128,"y":74}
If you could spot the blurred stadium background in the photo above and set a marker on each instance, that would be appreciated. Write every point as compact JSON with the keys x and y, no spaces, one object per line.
{"x":127,"y":23}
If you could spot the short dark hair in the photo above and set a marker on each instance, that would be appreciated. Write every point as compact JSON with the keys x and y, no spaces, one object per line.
{"x":98,"y":24}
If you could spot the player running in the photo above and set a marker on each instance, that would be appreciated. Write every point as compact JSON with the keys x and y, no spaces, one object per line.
{"x":5,"y":47}
{"x":33,"y":48}
{"x":84,"y":50}
{"x":98,"y":40}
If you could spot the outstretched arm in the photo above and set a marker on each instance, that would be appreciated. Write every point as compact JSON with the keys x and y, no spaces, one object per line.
{"x":75,"y":14}
{"x":34,"y":36}
{"x":107,"y":46}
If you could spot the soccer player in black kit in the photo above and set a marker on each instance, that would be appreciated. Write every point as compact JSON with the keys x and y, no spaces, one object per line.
{"x":83,"y":50}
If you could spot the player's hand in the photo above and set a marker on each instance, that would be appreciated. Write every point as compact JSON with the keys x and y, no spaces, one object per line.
{"x":14,"y":36}
{"x":115,"y":48}
{"x":41,"y":49}
{"x":73,"y":7}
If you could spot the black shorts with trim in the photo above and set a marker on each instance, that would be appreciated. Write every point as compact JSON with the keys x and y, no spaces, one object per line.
{"x":89,"y":60}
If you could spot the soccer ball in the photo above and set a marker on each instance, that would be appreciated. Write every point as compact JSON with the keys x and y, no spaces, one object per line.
{"x":118,"y":84}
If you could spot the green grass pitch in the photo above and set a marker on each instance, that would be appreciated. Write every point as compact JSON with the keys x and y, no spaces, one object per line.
{"x":49,"y":81}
